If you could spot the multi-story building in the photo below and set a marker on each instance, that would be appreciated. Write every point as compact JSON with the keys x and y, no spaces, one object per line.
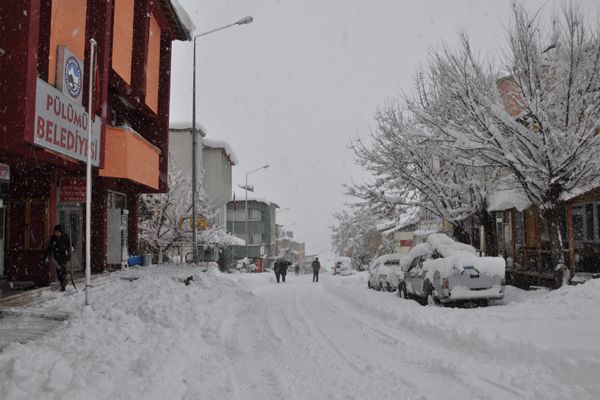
{"x":261,"y":234}
{"x":44,"y":75}
{"x":214,"y":162}
{"x":218,"y":160}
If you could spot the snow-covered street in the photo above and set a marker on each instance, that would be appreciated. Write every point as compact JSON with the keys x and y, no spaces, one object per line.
{"x":242,"y":336}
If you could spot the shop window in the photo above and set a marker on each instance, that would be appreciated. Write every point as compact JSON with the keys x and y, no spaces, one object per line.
{"x":116,"y":200}
{"x":28,"y":224}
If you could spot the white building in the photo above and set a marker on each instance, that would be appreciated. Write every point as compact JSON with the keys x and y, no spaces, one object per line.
{"x":214,"y":162}
{"x":218,"y":160}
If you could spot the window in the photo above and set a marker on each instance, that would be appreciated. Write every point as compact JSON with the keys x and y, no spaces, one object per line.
{"x":589,"y":221}
{"x":29,"y":222}
{"x":519,"y":228}
{"x":255,"y":215}
{"x":116,"y":200}
{"x":578,"y":223}
{"x":586,"y":222}
{"x":255,"y":238}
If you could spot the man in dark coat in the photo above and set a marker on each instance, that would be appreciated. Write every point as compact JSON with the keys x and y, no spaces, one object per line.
{"x":316,"y":266}
{"x":281,"y":266}
{"x":59,"y":253}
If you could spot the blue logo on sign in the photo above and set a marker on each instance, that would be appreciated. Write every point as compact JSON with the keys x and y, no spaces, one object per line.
{"x":73,"y":77}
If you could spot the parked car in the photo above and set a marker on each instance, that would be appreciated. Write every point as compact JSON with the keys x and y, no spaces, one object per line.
{"x":342,"y":266}
{"x":385,"y":272}
{"x":444,"y":271}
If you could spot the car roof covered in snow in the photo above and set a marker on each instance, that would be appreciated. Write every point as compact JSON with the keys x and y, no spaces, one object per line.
{"x":448,"y":247}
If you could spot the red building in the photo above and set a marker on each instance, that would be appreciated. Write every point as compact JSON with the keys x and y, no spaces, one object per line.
{"x":44,"y":68}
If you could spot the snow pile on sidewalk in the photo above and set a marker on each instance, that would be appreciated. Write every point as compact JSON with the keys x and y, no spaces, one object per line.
{"x":140,"y":339}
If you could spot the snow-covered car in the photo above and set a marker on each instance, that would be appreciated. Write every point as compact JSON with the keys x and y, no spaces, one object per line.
{"x":444,"y":271}
{"x":385,"y":272}
{"x":342,"y":266}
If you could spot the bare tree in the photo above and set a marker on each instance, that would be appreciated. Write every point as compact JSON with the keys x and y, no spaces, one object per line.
{"x":540,"y":123}
{"x":163,"y":224}
{"x":413,"y":166}
{"x":355,"y":235}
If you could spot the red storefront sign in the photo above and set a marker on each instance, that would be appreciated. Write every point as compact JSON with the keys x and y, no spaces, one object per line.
{"x":72,"y":189}
{"x":406,"y":243}
{"x":259,"y":265}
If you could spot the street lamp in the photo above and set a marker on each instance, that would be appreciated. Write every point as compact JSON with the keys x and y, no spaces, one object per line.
{"x":246,"y":201}
{"x":242,"y":21}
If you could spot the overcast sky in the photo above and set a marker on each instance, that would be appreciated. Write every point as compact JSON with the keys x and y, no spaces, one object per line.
{"x":296,"y":86}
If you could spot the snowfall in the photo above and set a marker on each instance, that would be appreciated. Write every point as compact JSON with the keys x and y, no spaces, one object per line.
{"x":146,"y":335}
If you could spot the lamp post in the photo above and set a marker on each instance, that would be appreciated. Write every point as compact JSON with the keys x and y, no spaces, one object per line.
{"x":246,"y":202}
{"x":242,"y":21}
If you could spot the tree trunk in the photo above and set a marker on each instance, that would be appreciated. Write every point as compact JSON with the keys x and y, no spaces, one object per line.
{"x":554,"y":216}
{"x":489,"y":226}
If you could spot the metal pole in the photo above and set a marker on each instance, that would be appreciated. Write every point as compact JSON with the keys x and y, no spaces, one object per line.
{"x":246,"y":210}
{"x":194,"y":167}
{"x":88,"y":176}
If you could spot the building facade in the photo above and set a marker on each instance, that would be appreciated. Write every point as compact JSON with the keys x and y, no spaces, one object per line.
{"x":44,"y":76}
{"x":261,"y":235}
{"x":218,"y":160}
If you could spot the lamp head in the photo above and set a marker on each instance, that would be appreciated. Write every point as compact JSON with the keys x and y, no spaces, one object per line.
{"x":245,"y":20}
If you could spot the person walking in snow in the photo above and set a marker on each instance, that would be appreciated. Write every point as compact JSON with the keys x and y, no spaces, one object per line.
{"x":280,"y":269}
{"x":316,"y":266}
{"x":59,"y":253}
{"x":297,"y":269}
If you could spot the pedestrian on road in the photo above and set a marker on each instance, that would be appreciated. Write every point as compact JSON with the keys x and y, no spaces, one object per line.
{"x":316,"y":266}
{"x":297,"y":269}
{"x":280,"y":268}
{"x":59,"y":253}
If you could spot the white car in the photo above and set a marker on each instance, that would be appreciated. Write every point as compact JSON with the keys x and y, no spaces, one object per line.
{"x":385,"y":272}
{"x":342,"y":266}
{"x":445,"y":271}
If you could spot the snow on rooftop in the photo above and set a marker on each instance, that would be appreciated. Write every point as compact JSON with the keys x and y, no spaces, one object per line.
{"x":183,"y":16}
{"x":409,"y":217}
{"x":221,"y":144}
{"x":186,"y":126}
{"x":257,"y":199}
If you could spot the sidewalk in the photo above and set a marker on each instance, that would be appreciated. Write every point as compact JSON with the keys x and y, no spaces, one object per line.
{"x":26,"y":297}
{"x":23,"y":315}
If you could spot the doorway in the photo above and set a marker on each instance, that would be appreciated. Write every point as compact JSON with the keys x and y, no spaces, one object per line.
{"x":71,"y":219}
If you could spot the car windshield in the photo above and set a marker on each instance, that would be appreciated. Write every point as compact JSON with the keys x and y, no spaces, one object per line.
{"x":470,"y":268}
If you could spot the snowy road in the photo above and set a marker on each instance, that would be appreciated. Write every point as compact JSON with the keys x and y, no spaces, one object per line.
{"x":245,"y":337}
